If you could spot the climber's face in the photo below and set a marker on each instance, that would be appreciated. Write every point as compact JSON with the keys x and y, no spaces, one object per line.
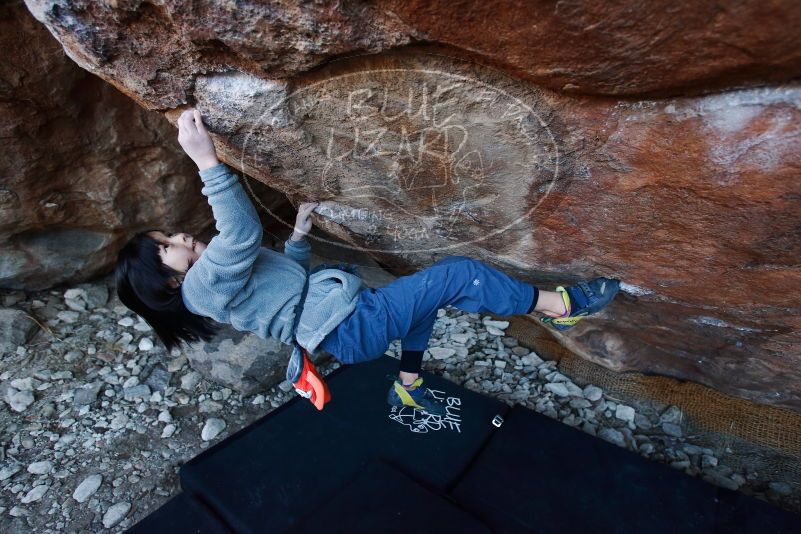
{"x":178,"y":251}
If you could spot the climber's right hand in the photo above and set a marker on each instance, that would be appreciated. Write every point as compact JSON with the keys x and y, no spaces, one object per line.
{"x":195,"y":140}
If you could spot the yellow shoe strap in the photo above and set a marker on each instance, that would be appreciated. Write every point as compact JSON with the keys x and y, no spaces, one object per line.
{"x":565,"y":298}
{"x":405,"y":398}
{"x":570,"y":321}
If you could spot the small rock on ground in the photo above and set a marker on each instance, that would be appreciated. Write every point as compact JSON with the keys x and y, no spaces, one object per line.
{"x":212,"y":429}
{"x":115,"y":514}
{"x":87,"y":488}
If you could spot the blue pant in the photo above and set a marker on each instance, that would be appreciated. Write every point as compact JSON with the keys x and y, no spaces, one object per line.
{"x":407,"y":308}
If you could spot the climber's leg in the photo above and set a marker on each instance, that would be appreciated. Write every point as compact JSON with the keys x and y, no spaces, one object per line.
{"x":462,"y":282}
{"x":467,"y":284}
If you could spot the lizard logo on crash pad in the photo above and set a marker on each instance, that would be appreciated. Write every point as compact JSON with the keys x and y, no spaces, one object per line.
{"x":420,"y":422}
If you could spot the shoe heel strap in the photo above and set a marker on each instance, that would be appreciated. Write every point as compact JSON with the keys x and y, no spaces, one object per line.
{"x":414,"y":385}
{"x":566,"y":298}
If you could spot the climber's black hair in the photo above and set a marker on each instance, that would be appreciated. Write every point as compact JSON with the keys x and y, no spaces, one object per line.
{"x":143,"y":285}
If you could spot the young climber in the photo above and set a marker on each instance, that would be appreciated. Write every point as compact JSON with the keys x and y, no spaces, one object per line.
{"x":177,"y":283}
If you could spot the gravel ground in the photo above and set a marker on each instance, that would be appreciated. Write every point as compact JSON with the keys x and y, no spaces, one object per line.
{"x":97,"y":418}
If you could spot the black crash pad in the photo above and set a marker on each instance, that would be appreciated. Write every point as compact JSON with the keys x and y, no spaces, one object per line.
{"x":384,"y":500}
{"x":180,"y":515}
{"x":738,"y":513}
{"x":538,"y":475}
{"x":266,"y":477}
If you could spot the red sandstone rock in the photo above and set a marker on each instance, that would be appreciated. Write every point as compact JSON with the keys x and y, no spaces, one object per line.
{"x":82,"y":168}
{"x":621,"y":48}
{"x":153,"y":50}
{"x":692,"y":201}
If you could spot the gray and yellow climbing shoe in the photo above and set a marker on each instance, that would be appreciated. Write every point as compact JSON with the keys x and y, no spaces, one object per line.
{"x":416,"y":396}
{"x":583,"y":299}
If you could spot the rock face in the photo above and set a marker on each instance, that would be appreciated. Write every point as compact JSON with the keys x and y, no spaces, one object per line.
{"x":434,"y":128}
{"x":623,"y":48}
{"x":154,"y":50}
{"x":83,"y":166}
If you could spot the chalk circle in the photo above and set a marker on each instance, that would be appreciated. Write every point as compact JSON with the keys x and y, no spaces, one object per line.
{"x":269,"y":118}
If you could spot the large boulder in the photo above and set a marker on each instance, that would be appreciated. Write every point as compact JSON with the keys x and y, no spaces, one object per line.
{"x":434,"y":128}
{"x":83,"y":167}
{"x":154,"y":50}
{"x":656,"y":47}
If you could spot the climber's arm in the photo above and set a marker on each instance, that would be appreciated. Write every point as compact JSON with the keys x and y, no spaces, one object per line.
{"x":231,"y":254}
{"x":296,"y":247}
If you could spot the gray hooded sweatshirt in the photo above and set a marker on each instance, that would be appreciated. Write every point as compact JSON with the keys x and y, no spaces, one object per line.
{"x":254,"y":288}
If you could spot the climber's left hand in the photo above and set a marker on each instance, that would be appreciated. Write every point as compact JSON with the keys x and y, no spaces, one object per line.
{"x":303,"y":222}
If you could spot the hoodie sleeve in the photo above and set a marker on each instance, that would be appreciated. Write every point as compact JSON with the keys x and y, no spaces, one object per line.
{"x":230,"y":255}
{"x":298,"y":251}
